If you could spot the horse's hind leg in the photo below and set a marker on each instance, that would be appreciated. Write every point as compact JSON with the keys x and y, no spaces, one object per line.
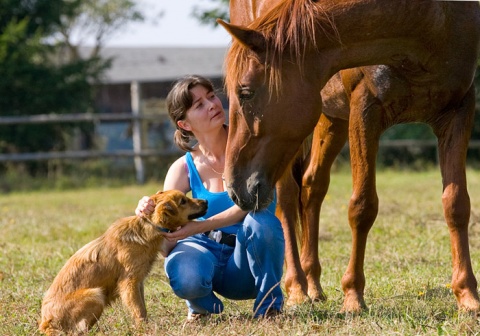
{"x":364,"y":134}
{"x":329,"y":138}
{"x":453,"y":135}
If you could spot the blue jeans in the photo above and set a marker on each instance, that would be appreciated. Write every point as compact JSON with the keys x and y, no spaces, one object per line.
{"x":198,"y":266}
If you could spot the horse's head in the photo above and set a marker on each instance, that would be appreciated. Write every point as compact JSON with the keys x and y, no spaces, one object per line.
{"x":273,"y":107}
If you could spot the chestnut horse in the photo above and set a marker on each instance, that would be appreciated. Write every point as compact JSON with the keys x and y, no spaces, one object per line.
{"x":302,"y":206}
{"x":276,"y":68}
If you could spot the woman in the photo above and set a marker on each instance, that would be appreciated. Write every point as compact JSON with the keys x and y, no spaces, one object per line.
{"x":236,"y":254}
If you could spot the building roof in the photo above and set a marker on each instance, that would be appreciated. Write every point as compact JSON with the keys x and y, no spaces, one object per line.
{"x":162,"y":63}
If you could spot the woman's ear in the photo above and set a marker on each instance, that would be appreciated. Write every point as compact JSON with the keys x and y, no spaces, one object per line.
{"x":184,"y":125}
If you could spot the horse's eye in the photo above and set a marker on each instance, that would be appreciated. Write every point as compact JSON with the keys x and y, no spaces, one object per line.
{"x":245,"y":94}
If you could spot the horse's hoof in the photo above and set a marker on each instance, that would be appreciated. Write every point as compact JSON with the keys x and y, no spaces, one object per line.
{"x":470,"y":305}
{"x":317,"y":295}
{"x":295,"y":299}
{"x":353,"y":304}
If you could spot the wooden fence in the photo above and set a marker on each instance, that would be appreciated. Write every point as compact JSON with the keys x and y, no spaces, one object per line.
{"x":138,"y":153}
{"x":135,"y":117}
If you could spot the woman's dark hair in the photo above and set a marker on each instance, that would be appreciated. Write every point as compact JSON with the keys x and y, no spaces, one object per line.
{"x":179,"y":100}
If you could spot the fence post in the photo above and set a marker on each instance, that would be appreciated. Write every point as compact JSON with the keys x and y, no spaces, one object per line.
{"x":137,"y":132}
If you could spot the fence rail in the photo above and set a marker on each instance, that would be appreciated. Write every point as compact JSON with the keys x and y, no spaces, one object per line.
{"x":138,"y":153}
{"x":75,"y":117}
{"x":87,"y":154}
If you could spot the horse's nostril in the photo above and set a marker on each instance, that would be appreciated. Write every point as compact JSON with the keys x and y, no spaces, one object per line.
{"x":253,"y":184}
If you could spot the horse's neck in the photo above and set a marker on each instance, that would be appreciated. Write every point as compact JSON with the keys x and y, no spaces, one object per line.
{"x":243,"y":12}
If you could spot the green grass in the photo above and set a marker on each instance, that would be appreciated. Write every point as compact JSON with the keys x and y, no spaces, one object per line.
{"x":408,"y":263}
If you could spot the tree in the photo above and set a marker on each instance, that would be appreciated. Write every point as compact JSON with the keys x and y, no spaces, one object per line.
{"x":36,"y":79}
{"x":209,"y":16}
{"x":97,"y":19}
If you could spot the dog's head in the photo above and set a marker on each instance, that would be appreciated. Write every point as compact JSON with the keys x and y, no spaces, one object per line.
{"x":173,"y":209}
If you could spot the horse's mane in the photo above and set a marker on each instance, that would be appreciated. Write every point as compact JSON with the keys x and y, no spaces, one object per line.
{"x":291,"y":24}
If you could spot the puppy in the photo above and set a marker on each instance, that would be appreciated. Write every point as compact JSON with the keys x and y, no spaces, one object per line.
{"x":114,"y":265}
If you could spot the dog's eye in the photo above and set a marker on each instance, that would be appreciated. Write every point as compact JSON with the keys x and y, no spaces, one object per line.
{"x":183,"y":201}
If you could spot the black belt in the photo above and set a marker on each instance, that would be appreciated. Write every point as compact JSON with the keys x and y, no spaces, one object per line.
{"x":222,"y":237}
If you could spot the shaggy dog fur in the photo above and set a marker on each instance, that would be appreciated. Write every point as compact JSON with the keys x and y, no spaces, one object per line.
{"x":113,"y":265}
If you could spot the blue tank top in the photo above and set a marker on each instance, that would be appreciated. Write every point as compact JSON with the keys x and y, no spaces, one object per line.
{"x":217,"y":201}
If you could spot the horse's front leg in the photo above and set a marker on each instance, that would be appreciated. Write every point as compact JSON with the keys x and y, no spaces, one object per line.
{"x":328,"y":140}
{"x":364,"y":134}
{"x":453,"y":136}
{"x":288,"y":198}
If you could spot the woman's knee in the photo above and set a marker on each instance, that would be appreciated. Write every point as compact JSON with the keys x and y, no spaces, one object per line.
{"x":190,"y":270}
{"x":189,"y":283}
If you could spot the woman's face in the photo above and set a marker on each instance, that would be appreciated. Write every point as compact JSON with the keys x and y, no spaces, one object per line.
{"x":206,"y":112}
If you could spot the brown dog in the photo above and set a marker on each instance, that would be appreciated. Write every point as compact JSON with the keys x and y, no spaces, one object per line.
{"x":113,"y":265}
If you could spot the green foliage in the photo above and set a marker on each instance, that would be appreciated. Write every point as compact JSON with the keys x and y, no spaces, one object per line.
{"x":417,"y":131}
{"x":97,"y":20}
{"x":208,"y":16}
{"x":42,"y":71}
{"x":33,"y":81}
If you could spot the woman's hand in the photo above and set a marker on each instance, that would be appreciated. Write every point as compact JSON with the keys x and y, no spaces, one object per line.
{"x":185,"y":231}
{"x":182,"y":232}
{"x":145,"y":207}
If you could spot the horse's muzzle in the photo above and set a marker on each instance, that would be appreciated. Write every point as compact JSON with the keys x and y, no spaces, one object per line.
{"x":251,"y":194}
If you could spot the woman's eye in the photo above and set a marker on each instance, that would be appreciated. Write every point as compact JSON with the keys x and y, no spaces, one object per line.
{"x":245,"y":94}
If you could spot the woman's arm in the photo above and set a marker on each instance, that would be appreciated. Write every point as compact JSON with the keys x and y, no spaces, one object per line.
{"x":177,"y":176}
{"x":225,"y":218}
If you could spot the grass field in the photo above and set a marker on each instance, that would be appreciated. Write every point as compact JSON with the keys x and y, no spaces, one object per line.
{"x":408,"y":263}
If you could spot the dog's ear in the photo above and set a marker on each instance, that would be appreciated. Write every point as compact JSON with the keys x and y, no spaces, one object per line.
{"x":164,"y":213}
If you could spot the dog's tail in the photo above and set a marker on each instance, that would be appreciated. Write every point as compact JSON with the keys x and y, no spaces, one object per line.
{"x":87,"y":296}
{"x":78,"y":313}
{"x":45,"y":326}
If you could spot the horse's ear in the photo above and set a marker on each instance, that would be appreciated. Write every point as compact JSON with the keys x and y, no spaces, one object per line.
{"x":248,"y":37}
